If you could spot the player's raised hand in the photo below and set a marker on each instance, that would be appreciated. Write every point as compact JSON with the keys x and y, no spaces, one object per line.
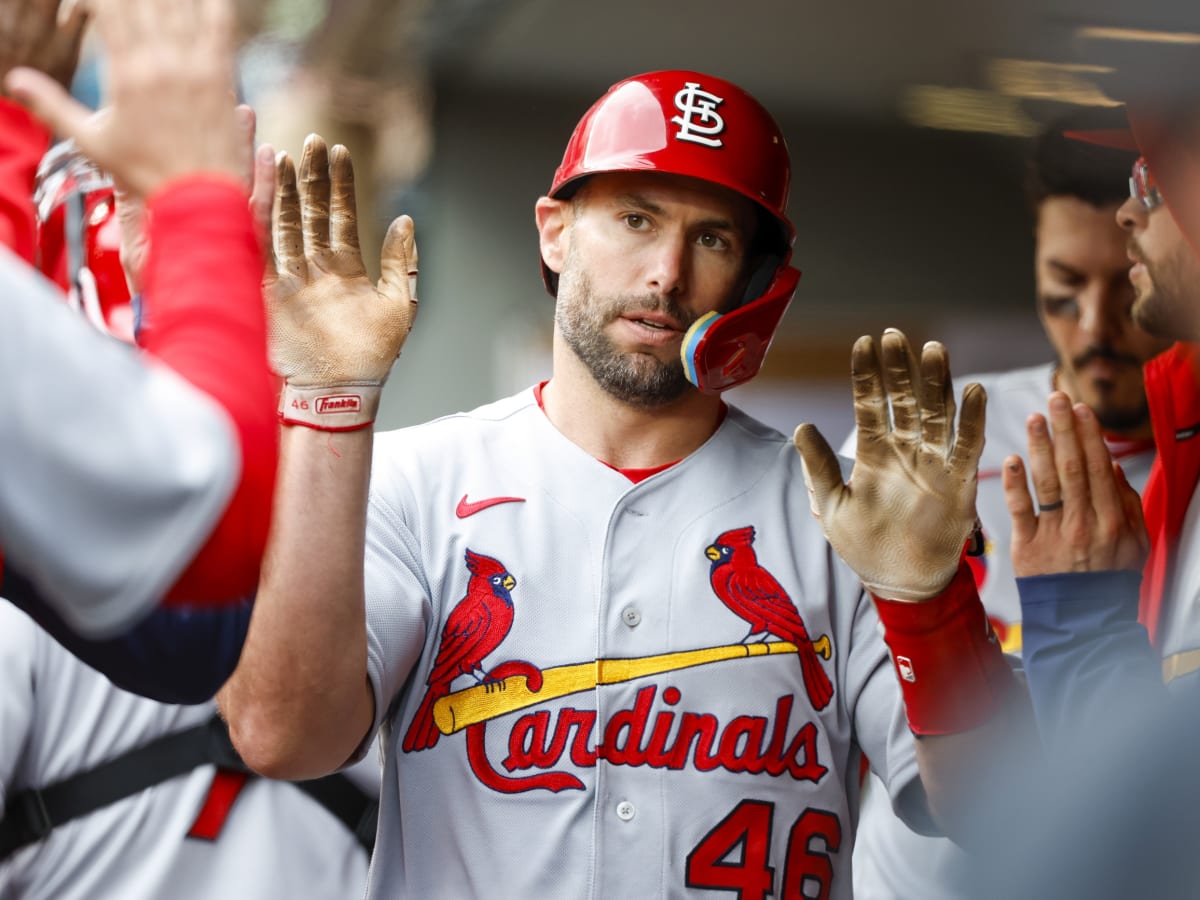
{"x":170,"y":102}
{"x":1088,"y":518}
{"x":903,"y":518}
{"x":333,"y":335}
{"x":43,"y":35}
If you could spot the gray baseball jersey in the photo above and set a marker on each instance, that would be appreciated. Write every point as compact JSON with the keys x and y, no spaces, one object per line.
{"x":891,"y":862}
{"x":637,"y":736}
{"x":115,"y":468}
{"x":59,"y":717}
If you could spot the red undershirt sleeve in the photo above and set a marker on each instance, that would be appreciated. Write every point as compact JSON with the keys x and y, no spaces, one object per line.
{"x":203,"y":316}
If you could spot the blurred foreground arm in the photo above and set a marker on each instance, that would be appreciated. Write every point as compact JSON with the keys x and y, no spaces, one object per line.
{"x":170,"y":137}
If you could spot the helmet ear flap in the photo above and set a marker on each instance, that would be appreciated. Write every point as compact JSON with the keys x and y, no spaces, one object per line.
{"x":723,"y":351}
{"x":761,"y":278}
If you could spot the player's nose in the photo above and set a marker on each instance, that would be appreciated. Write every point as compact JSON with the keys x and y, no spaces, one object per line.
{"x":666,"y":271}
{"x":1100,"y":314}
{"x":1131,"y":215}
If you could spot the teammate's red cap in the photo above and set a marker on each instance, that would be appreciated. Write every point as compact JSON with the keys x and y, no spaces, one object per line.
{"x":1159,"y":84}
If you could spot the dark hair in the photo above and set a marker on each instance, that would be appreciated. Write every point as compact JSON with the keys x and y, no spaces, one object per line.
{"x":1061,"y":166}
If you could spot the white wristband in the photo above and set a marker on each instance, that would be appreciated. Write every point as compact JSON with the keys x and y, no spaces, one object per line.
{"x":339,"y":407}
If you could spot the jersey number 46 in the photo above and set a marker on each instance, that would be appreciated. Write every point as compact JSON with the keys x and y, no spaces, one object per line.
{"x":735,"y":855}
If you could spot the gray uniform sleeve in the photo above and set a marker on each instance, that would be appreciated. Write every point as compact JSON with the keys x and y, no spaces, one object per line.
{"x":115,"y":468}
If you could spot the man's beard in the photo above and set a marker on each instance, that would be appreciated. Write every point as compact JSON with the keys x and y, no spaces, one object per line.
{"x":1158,"y":314}
{"x":1123,"y":421}
{"x":1171,"y":309}
{"x":1113,"y":419}
{"x":639,"y":379}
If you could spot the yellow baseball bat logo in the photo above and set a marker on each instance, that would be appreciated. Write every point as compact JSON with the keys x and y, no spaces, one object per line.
{"x":481,"y":702}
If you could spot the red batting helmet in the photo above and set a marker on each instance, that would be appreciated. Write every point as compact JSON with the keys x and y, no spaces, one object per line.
{"x":79,"y":238}
{"x":688,"y":123}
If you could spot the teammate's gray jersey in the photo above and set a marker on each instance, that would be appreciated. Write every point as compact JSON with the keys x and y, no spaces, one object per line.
{"x":658,"y":748}
{"x":891,"y":862}
{"x":59,"y":717}
{"x":115,"y":468}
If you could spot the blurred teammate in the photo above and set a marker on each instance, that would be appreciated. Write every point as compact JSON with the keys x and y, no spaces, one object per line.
{"x":1073,"y":190}
{"x":607,"y":647}
{"x":134,"y":478}
{"x":1124,"y":816}
{"x":143,"y":800}
{"x":90,"y":240}
{"x":1165,"y":273}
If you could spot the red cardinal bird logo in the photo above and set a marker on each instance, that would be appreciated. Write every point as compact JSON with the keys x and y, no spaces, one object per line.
{"x":474,"y":628}
{"x":752,"y":593}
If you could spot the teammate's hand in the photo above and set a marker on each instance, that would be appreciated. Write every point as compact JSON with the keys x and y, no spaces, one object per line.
{"x":1088,"y":518}
{"x":43,"y":35}
{"x":328,"y":325}
{"x":904,"y":517}
{"x":170,"y":96}
{"x":262,"y":196}
{"x":258,"y":176}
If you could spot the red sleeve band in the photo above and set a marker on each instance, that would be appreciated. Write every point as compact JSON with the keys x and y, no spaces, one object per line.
{"x":952,"y":672}
{"x":203,"y":315}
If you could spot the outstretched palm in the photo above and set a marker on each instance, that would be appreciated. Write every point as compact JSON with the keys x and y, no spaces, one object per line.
{"x":327,"y":323}
{"x":909,"y":507}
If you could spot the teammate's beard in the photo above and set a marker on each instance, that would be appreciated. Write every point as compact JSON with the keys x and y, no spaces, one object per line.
{"x":639,"y":379}
{"x":1168,"y":308}
{"x":1123,"y":421}
{"x":1113,"y":419}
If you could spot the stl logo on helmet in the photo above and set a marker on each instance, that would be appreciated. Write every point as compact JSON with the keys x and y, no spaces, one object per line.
{"x":700,"y":122}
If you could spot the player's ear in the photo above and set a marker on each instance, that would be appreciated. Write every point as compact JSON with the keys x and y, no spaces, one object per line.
{"x":553,"y":220}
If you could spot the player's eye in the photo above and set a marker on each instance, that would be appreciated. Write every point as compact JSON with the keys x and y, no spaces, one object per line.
{"x":1060,"y":307}
{"x":713,"y":241}
{"x":636,"y":221}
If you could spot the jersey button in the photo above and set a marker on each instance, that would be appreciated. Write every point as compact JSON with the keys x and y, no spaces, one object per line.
{"x":625,"y":810}
{"x":631,"y":616}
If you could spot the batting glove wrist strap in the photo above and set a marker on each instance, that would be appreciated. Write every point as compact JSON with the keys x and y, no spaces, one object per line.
{"x":338,"y":407}
{"x":952,"y":672}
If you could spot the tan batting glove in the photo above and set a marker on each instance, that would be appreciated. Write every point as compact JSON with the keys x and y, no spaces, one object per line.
{"x":332,"y":334}
{"x":902,"y":520}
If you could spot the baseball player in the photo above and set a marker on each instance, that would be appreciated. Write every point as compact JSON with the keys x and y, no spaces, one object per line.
{"x":89,"y":240}
{"x":1083,"y":298}
{"x":1095,"y":671}
{"x":608,"y":649}
{"x":1165,"y":265}
{"x":137,"y":808}
{"x":156,"y":477}
{"x":1165,"y":262}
